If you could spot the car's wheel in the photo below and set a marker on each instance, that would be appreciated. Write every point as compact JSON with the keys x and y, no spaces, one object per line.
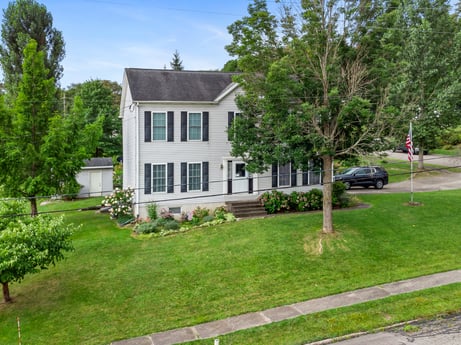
{"x":347,"y":185}
{"x":379,"y":184}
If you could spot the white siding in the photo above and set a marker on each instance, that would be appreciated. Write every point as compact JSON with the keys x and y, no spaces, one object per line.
{"x":215,"y":151}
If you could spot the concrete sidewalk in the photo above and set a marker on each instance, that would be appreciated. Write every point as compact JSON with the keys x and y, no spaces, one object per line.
{"x":236,"y":323}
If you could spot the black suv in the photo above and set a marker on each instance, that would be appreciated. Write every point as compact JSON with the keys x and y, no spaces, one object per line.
{"x":364,"y":176}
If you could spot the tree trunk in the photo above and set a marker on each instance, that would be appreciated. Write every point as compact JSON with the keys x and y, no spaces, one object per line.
{"x":421,"y":159}
{"x":6,"y":293}
{"x":327,"y":194}
{"x":33,"y":206}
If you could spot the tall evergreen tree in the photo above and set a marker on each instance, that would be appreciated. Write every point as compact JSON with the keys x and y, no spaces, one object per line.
{"x":24,"y":20}
{"x":176,"y":62}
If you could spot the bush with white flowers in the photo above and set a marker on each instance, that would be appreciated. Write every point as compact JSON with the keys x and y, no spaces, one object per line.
{"x":120,"y":202}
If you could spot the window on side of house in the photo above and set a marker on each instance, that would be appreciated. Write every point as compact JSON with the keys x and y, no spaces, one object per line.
{"x":195,"y":126}
{"x":159,"y":126}
{"x":195,"y":176}
{"x":159,"y":178}
{"x":284,"y":175}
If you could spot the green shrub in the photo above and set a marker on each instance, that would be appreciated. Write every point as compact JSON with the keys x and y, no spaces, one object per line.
{"x":207,"y":219}
{"x":171,"y":224}
{"x":274,"y":201}
{"x":339,"y":196}
{"x":200,"y":212}
{"x":315,"y":199}
{"x":220,"y":212}
{"x":152,"y":211}
{"x":146,"y":228}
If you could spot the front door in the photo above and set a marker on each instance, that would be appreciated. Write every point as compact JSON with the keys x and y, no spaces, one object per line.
{"x":239,"y":177}
{"x":239,"y":180}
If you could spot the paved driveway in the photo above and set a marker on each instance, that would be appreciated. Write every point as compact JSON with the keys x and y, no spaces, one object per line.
{"x":444,"y":180}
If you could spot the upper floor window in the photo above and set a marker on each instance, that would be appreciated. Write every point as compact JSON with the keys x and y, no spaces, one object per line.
{"x":159,"y":126}
{"x":195,"y":126}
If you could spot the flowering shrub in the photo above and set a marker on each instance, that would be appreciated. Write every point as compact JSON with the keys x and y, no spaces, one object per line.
{"x":196,"y":216}
{"x":120,"y":203}
{"x":275,"y":201}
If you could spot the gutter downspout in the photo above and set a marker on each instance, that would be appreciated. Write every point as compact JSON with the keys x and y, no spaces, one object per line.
{"x":137,"y":189}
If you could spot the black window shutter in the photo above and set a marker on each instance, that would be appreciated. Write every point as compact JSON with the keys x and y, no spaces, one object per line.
{"x":205,"y":121}
{"x":305,"y":178}
{"x":275,"y":173}
{"x":147,"y":126}
{"x":183,"y":125}
{"x":170,"y":124}
{"x":230,"y":119}
{"x":147,"y":178}
{"x":205,"y":177}
{"x":294,"y":176}
{"x":170,"y":178}
{"x":183,"y":177}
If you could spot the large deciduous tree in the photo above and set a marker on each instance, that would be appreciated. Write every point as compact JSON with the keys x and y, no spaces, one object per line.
{"x":100,"y":99}
{"x":429,"y":88}
{"x":306,"y":89}
{"x":24,"y":20}
{"x":41,"y":151}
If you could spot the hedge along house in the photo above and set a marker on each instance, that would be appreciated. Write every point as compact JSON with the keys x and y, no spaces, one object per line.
{"x":176,"y":149}
{"x":96,"y":177}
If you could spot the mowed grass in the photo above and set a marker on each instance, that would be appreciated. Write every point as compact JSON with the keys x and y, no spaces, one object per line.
{"x":114,"y":286}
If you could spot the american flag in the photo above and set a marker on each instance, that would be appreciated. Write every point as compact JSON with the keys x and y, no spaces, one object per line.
{"x":409,"y":145}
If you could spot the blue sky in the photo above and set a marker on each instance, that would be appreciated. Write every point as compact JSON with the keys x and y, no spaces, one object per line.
{"x":105,"y":36}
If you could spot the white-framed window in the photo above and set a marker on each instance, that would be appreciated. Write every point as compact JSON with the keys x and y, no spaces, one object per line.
{"x":158,"y":178}
{"x":194,"y":175}
{"x":195,"y":126}
{"x":159,"y":126}
{"x":284,"y":175}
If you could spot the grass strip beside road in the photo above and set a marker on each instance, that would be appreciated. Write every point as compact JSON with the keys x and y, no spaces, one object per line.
{"x":366,"y":317}
{"x":114,"y":286}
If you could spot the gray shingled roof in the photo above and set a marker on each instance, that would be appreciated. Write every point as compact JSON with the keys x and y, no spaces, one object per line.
{"x":168,"y":85}
{"x":98,"y":162}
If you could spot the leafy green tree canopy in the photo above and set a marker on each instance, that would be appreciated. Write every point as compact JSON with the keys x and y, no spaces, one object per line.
{"x":41,"y":151}
{"x":28,"y":245}
{"x":306,"y":89}
{"x":101,"y":99}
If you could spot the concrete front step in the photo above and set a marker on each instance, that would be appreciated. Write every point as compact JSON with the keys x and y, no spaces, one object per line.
{"x":245,"y":209}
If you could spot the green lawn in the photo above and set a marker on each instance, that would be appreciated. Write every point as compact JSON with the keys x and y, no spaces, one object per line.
{"x":114,"y":286}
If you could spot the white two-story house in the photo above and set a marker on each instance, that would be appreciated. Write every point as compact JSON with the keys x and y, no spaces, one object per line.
{"x":176,"y":149}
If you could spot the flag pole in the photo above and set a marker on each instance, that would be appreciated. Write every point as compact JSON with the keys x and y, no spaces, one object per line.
{"x":411,"y":163}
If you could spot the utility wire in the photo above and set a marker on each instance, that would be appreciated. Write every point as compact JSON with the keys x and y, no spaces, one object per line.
{"x":96,"y":207}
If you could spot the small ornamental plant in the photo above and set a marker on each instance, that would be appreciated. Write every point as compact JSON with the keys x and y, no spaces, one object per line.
{"x":120,"y":203}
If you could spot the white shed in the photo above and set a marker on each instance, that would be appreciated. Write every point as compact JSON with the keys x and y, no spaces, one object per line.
{"x":96,"y":177}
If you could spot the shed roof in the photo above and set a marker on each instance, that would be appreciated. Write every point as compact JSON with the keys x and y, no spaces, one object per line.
{"x":98,"y":162}
{"x":176,"y":86}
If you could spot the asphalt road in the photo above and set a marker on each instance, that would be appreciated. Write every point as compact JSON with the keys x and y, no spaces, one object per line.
{"x":442,"y":331}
